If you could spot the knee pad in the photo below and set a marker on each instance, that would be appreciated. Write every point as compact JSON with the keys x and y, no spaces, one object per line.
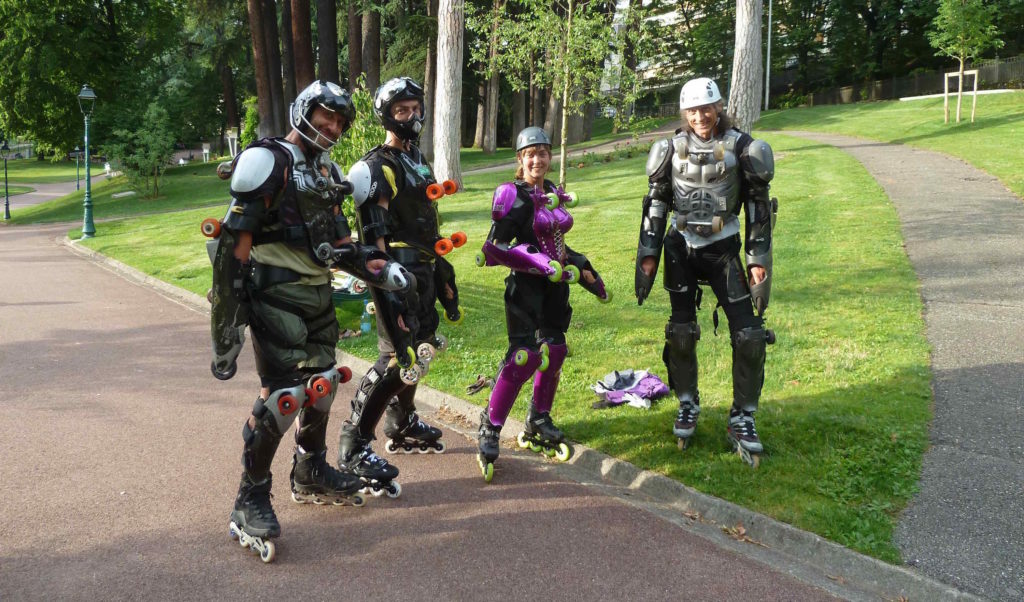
{"x":749,"y":344}
{"x":680,"y":357}
{"x":682,"y":338}
{"x":322,"y":387}
{"x":280,"y":408}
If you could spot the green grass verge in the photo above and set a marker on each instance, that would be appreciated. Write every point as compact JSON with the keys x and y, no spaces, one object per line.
{"x":32,"y":171}
{"x":180,"y":188}
{"x":13,"y":190}
{"x":846,"y":397}
{"x":992,"y":143}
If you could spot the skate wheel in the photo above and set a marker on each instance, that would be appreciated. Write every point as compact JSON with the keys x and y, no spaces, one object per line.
{"x":371,"y":308}
{"x":461,"y":314}
{"x":390,"y":446}
{"x":571,"y":200}
{"x":555,"y":276}
{"x":376,"y":492}
{"x":563,"y":453}
{"x":358,"y":501}
{"x":681,"y":443}
{"x":209,"y":296}
{"x":553,"y":200}
{"x":535,"y":448}
{"x":344,"y":374}
{"x":439,"y":447}
{"x":268,"y":552}
{"x":480,"y":259}
{"x":394,"y":490}
{"x":443,"y":246}
{"x":423,"y":448}
{"x":434,"y":191}
{"x":549,"y":452}
{"x":210,"y":227}
{"x":449,"y":187}
{"x":521,"y":357}
{"x":458,"y":239}
{"x":410,"y":375}
{"x":572,"y":274}
{"x":319,"y":388}
{"x":426,"y":351}
{"x":442,"y":341}
{"x":486,"y":468}
{"x":522,"y":440}
{"x":607,"y":297}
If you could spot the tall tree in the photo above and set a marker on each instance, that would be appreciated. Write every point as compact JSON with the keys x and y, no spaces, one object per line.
{"x":264,"y":101}
{"x":327,"y":40}
{"x":963,"y":29}
{"x":270,"y":31}
{"x":429,"y":85}
{"x":448,"y":101}
{"x":355,"y":43}
{"x":490,"y":139}
{"x":481,"y":115}
{"x":302,"y":43}
{"x":287,"y":52}
{"x":371,"y":46}
{"x":745,"y":87}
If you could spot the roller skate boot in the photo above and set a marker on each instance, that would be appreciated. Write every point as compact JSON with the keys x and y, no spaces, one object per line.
{"x":377,"y":474}
{"x":415,"y":435}
{"x":542,"y":436}
{"x":253,"y":522}
{"x":314,"y":481}
{"x":489,"y":441}
{"x":686,"y":422}
{"x":743,"y":437}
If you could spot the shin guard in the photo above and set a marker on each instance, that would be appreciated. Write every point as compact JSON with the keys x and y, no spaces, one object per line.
{"x":546,"y":383}
{"x":680,"y":357}
{"x":748,"y":353}
{"x":518,"y":367}
{"x":272,"y":418}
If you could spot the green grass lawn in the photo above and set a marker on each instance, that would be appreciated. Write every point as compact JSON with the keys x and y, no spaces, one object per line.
{"x":181,"y":188}
{"x":32,"y":171}
{"x":13,"y":190}
{"x":846,"y":397}
{"x":992,"y":143}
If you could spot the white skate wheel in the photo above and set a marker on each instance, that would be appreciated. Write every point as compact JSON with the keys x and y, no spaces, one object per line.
{"x":395,"y":491}
{"x":268,"y":552}
{"x":390,"y":446}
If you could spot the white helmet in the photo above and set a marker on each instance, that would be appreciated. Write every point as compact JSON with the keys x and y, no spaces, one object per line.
{"x":698,"y":92}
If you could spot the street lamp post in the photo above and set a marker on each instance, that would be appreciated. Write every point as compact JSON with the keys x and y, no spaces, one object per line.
{"x":5,"y":151}
{"x":78,"y":177}
{"x":86,"y":102}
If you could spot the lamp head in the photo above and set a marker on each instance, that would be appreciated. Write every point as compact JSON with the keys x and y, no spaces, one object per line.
{"x":86,"y":100}
{"x":5,"y":151}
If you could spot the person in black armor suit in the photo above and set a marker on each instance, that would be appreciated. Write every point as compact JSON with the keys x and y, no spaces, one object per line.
{"x":703,"y":176}
{"x":394,"y":213}
{"x":282,"y":232}
{"x":527,"y":235}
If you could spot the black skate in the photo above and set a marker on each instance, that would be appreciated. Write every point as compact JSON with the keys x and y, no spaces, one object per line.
{"x":489,"y":441}
{"x":415,"y":435}
{"x":542,"y":436}
{"x":378,"y":476}
{"x":314,"y":481}
{"x":253,"y":522}
{"x":743,"y":437}
{"x":686,"y":422}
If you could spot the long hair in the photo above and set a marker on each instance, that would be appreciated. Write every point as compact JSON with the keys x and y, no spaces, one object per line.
{"x":725,"y":121}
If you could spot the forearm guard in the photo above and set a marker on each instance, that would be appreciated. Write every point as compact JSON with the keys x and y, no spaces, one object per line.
{"x":522,"y":258}
{"x":245,"y":215}
{"x":652,"y":237}
{"x":761,"y":212}
{"x":444,"y":275}
{"x":373,"y":223}
{"x":341,"y":228}
{"x":388,"y":306}
{"x":353,"y":258}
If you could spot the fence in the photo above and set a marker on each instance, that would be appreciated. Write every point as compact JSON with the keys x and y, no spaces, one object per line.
{"x":992,"y":73}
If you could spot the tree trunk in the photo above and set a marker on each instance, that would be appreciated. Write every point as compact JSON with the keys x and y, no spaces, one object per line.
{"x":536,"y":100}
{"x":327,"y":40}
{"x":959,"y":90}
{"x":448,"y":108}
{"x":553,"y":113}
{"x":264,"y":102}
{"x":227,"y":83}
{"x":745,"y":87}
{"x":518,"y":112}
{"x":430,"y":74}
{"x":589,"y":113}
{"x":490,"y":141}
{"x":287,"y":56}
{"x":273,"y":45}
{"x":355,"y":43}
{"x":371,"y":47}
{"x":565,"y":96}
{"x":481,"y":116}
{"x":302,"y":40}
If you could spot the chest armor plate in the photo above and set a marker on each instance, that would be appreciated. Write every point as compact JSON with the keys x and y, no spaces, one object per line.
{"x":705,"y":186}
{"x":550,"y":225}
{"x":415,"y":216}
{"x":309,"y":200}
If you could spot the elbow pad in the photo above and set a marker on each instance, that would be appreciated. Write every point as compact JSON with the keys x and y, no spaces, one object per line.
{"x":245,"y":215}
{"x":373,"y":223}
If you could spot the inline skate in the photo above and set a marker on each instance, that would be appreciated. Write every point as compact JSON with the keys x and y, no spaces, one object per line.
{"x":377,"y":474}
{"x":743,"y":437}
{"x":253,"y":522}
{"x":542,"y":436}
{"x":314,"y":481}
{"x":489,"y":441}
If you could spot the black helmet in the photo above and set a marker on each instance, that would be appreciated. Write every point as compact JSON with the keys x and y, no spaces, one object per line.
{"x":323,"y":94}
{"x":392,"y":91}
{"x":531,"y":136}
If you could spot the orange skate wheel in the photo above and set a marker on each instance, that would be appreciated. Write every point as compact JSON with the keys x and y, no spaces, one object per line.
{"x":450,"y":187}
{"x":319,"y":388}
{"x":344,"y":374}
{"x":435,"y":191}
{"x":210,"y":227}
{"x":458,"y":239}
{"x":287,"y":404}
{"x":443,"y":246}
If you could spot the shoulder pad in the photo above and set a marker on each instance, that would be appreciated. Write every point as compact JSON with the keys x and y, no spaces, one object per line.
{"x":252,"y":169}
{"x":363,"y":185}
{"x":504,"y":198}
{"x":758,"y":161}
{"x":659,"y":158}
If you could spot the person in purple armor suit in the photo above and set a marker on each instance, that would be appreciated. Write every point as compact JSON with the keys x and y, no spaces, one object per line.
{"x":527,"y":235}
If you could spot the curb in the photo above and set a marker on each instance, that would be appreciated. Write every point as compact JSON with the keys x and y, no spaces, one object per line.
{"x":808,"y":557}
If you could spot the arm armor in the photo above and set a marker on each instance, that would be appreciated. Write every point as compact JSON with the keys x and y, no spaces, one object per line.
{"x":352,"y":258}
{"x":655,"y":216}
{"x":245,"y":215}
{"x":389,"y":305}
{"x":341,"y":229}
{"x":373,"y":223}
{"x":582,"y":263}
{"x":758,"y":170}
{"x":444,"y":274}
{"x":521,"y":258}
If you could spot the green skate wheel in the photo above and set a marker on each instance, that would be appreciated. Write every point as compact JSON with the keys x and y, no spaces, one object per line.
{"x":522,"y":440}
{"x":573,"y":200}
{"x":563,"y":453}
{"x":574,"y":274}
{"x":544,"y":360}
{"x":535,"y":448}
{"x":553,"y":201}
{"x":557,"y":275}
{"x":521,"y":357}
{"x":548,"y":452}
{"x":486,"y":468}
{"x":480,"y":258}
{"x":607,"y":298}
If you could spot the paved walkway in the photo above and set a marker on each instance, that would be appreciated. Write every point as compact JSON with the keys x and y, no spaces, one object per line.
{"x":963,"y":233}
{"x":47,"y":192}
